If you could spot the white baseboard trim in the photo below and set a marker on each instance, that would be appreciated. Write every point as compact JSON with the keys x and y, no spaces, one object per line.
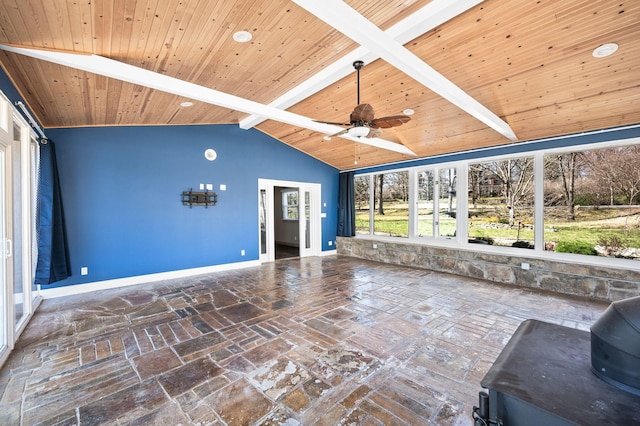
{"x":328,"y":253}
{"x":71,"y":290}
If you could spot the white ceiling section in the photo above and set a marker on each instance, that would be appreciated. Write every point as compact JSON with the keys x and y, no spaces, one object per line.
{"x":340,"y":16}
{"x":429,"y":17}
{"x":118,"y":70}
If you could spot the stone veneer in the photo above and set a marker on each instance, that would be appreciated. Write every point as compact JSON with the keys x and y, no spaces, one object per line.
{"x":579,"y":279}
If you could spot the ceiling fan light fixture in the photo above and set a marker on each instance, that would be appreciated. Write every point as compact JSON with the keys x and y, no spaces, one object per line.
{"x":358,"y":131}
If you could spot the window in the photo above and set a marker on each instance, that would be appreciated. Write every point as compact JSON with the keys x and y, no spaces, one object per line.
{"x":391,"y":204}
{"x":582,"y":201}
{"x":447,"y":202}
{"x":501,"y":210}
{"x":290,"y":205}
{"x":362,"y":199}
{"x":592,"y":202}
{"x":425,"y":202}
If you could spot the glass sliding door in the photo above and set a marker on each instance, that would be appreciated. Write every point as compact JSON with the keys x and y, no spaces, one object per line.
{"x":19,"y":168}
{"x":14,"y":245}
{"x":5,"y":309}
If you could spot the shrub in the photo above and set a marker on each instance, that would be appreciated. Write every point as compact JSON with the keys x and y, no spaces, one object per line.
{"x":522,"y":244}
{"x":585,"y":200}
{"x":481,"y":240}
{"x":577,"y":247}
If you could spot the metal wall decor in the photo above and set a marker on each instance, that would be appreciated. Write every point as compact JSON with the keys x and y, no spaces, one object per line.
{"x":199,"y":198}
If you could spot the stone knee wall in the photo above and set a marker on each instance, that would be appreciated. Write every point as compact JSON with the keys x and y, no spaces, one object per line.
{"x":597,"y":282}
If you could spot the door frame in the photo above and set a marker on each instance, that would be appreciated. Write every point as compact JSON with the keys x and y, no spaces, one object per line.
{"x":315,"y":222}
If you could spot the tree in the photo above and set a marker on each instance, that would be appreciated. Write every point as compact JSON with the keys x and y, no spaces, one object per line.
{"x":380,"y":194}
{"x":361,"y":189}
{"x":448,"y":186}
{"x":516,"y":177}
{"x":619,"y":170}
{"x":475,"y":176}
{"x":564,"y":168}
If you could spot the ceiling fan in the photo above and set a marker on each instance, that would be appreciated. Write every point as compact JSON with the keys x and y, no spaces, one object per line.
{"x":362,"y":121}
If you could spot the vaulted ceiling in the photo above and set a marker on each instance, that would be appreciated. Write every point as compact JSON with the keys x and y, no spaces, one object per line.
{"x":476,"y":73}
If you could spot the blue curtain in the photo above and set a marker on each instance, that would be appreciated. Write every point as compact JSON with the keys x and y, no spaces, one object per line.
{"x":346,"y":205}
{"x":53,"y":255}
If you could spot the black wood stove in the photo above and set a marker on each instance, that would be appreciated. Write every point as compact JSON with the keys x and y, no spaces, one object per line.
{"x":553,"y":375}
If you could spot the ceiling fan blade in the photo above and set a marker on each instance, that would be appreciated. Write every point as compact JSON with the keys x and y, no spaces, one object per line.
{"x":363,"y":112}
{"x":390,"y":121}
{"x":342,"y":132}
{"x":331,"y":122}
{"x":374,"y":133}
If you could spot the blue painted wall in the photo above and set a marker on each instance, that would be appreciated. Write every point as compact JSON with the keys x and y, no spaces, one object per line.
{"x":121,"y":189}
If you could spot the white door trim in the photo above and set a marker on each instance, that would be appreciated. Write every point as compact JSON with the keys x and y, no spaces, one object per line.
{"x":315,"y":225}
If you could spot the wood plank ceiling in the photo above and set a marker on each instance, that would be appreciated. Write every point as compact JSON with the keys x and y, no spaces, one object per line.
{"x":529,"y":62}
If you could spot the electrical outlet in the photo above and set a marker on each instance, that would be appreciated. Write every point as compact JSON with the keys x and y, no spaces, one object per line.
{"x":525,"y":266}
{"x":84,"y":270}
{"x":375,"y":246}
{"x":241,"y":252}
{"x":330,"y":243}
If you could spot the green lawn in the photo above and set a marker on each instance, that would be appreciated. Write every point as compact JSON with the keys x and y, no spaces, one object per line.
{"x":592,"y":226}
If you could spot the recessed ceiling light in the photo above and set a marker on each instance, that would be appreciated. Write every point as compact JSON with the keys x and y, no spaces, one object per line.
{"x":605,"y":50}
{"x":186,"y":104}
{"x":242,"y":36}
{"x":408,"y":111}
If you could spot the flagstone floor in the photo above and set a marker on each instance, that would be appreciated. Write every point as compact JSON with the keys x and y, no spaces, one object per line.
{"x":312,"y":341}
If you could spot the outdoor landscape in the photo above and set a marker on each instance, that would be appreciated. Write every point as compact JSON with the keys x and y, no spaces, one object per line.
{"x":591,"y":203}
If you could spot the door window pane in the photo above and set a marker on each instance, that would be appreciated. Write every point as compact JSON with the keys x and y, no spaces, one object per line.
{"x":263,"y":221}
{"x":17,"y":234}
{"x":307,"y":221}
{"x":4,"y":323}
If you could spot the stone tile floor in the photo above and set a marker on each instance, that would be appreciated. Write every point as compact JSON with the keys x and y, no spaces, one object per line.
{"x":313,"y":341}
